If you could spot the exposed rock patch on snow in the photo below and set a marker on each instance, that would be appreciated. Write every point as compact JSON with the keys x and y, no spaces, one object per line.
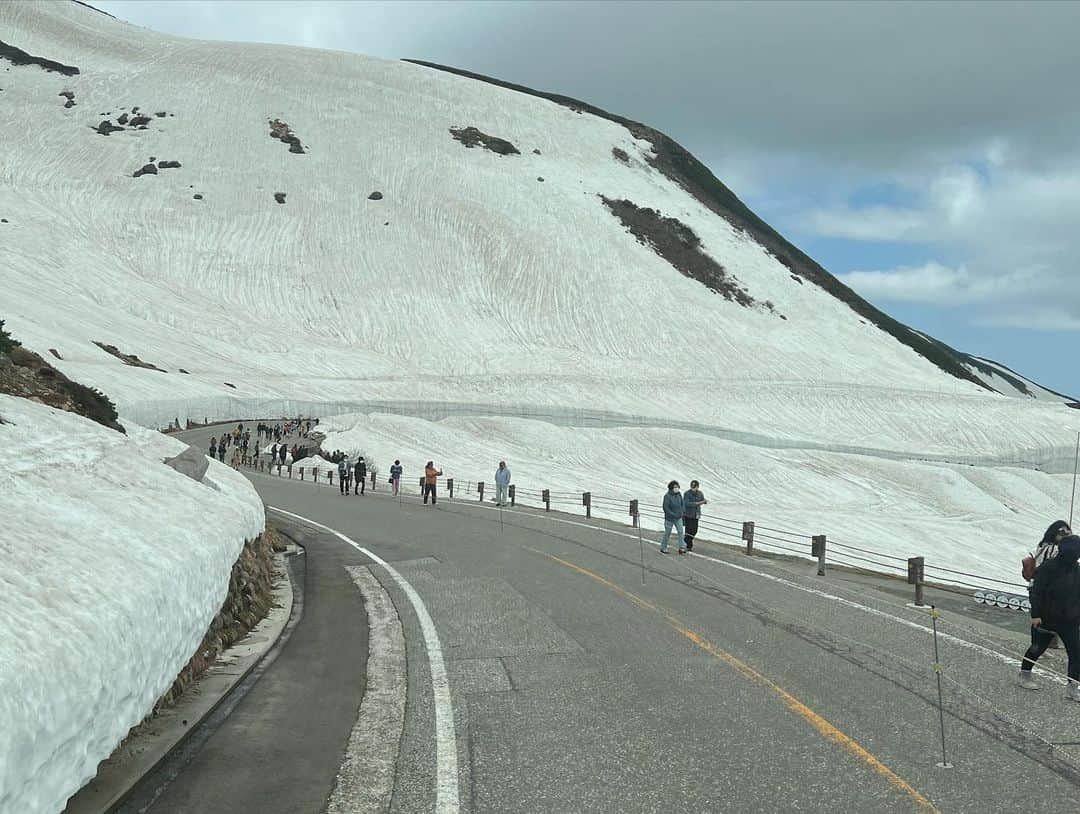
{"x":677,"y":243}
{"x":17,"y":56}
{"x":472,"y":137}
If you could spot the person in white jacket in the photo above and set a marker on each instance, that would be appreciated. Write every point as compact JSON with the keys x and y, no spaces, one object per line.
{"x":502,"y":483}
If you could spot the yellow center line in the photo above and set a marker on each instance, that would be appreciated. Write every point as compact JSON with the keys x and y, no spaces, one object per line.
{"x":819,"y":723}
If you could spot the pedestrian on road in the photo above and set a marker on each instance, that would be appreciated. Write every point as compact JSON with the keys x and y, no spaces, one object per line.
{"x":273,"y":454}
{"x":360,"y":476}
{"x":673,"y":516}
{"x":221,"y":452}
{"x":1046,"y":549}
{"x":282,"y":452}
{"x":395,"y":477}
{"x":1055,"y":608}
{"x":213,"y":446}
{"x":430,"y":479}
{"x":693,"y":500}
{"x":502,"y":483}
{"x":343,"y":475}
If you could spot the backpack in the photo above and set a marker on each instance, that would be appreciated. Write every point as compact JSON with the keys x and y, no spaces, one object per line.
{"x":1033,"y":561}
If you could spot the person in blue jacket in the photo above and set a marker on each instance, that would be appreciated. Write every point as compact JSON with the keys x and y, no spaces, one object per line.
{"x":673,"y":517}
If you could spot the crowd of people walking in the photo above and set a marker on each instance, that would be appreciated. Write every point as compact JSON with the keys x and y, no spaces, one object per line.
{"x":1052,"y":569}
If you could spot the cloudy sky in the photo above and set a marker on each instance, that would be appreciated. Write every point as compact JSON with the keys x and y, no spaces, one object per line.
{"x":928,"y":154}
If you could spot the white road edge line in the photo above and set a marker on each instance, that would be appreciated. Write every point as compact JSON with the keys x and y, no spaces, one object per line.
{"x":365,"y":781}
{"x":986,"y":651}
{"x":446,"y":777}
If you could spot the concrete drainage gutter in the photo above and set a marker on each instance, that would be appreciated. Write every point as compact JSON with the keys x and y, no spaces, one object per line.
{"x":120,"y":773}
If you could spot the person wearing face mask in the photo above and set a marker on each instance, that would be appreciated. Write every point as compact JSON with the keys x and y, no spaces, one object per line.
{"x":1055,"y":608}
{"x":673,"y":517}
{"x":693,"y":500}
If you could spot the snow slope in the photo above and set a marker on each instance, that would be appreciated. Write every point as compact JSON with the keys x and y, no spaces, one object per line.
{"x":1001,"y":378}
{"x":114,"y":566}
{"x":470,"y":281}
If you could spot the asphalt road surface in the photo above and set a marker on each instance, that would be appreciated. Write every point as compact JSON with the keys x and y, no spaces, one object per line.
{"x":581,"y":681}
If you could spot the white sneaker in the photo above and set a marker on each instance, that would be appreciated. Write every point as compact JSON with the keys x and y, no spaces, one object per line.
{"x":1027,"y":680}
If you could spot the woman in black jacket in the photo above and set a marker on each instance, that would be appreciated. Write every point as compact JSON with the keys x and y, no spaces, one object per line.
{"x":1055,"y":608}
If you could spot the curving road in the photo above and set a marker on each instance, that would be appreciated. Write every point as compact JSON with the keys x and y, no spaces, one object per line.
{"x":579,"y":681}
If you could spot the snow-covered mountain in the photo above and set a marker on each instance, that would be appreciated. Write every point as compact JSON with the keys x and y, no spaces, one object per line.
{"x":333,"y":233}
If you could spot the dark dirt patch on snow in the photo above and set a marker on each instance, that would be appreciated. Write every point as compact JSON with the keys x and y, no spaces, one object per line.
{"x":127,"y":358}
{"x":26,"y":375}
{"x":620,"y":155}
{"x":283,"y":133}
{"x":69,"y":95}
{"x":279,"y":197}
{"x":677,"y":243}
{"x":17,"y":56}
{"x":471,"y":137}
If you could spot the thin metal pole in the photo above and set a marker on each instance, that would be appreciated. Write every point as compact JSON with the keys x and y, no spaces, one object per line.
{"x":941,"y":707}
{"x":500,"y":520}
{"x":641,"y":543}
{"x":1076,"y":460}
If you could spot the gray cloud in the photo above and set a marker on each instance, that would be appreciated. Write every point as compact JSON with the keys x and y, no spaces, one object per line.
{"x":869,"y":83}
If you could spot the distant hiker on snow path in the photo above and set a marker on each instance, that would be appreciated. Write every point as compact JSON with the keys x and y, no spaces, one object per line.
{"x":673,"y":516}
{"x":502,"y":483}
{"x":360,"y":475}
{"x":1055,"y":608}
{"x":693,"y":500}
{"x":431,"y":475}
{"x":395,"y":477}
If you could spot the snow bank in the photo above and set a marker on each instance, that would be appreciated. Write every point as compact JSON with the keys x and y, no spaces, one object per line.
{"x":114,"y":566}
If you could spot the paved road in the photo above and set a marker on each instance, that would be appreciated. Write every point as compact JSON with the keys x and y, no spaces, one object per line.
{"x":723,"y":683}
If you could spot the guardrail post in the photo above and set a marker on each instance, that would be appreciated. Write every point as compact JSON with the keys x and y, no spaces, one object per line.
{"x":634,"y":513}
{"x":545,"y":495}
{"x":748,"y":535}
{"x":301,"y":473}
{"x":586,"y":501}
{"x":513,"y":495}
{"x":421,"y":485}
{"x":330,"y":475}
{"x":290,"y":471}
{"x":373,"y":481}
{"x":915,"y":574}
{"x":450,"y":487}
{"x":817,"y":549}
{"x":315,"y":476}
{"x":480,"y":489}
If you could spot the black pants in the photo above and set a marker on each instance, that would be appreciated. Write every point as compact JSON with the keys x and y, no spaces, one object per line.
{"x":359,"y":488}
{"x":1041,"y":638}
{"x":689,"y":531}
{"x":343,"y":485}
{"x":429,"y":489}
